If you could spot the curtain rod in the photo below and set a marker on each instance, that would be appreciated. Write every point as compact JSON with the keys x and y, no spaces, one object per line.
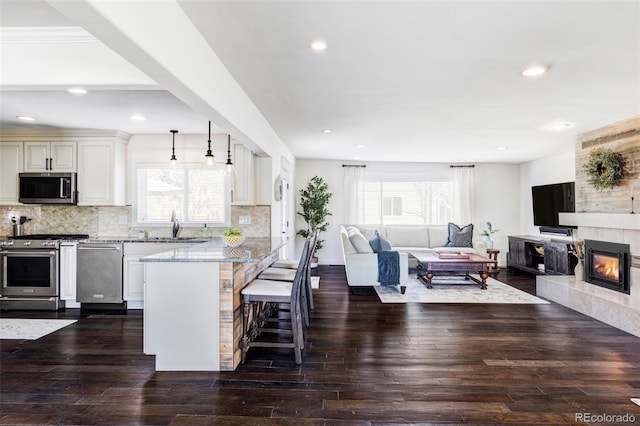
{"x":354,"y":165}
{"x":461,"y":165}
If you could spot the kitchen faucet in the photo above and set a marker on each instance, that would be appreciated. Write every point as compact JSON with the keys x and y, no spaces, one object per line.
{"x":176,"y":224}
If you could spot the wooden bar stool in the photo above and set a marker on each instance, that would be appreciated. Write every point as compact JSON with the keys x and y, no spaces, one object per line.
{"x":259,"y":295}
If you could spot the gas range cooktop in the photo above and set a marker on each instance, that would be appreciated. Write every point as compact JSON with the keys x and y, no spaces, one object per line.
{"x":51,"y":237}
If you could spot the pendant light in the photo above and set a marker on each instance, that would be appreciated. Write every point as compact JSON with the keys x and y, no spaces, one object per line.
{"x":209,"y":157}
{"x":174,"y":160}
{"x":230,"y":169}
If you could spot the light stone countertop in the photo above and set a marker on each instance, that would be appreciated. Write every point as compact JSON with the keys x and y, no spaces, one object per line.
{"x":252,"y":250}
{"x":144,"y":240}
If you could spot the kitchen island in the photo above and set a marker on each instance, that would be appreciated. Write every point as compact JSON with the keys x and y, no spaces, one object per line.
{"x":193,"y":306}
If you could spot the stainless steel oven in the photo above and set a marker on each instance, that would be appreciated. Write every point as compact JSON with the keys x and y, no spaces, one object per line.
{"x":30,"y":272}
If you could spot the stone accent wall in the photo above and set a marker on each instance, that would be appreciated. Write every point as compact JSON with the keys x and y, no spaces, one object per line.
{"x":622,"y":137}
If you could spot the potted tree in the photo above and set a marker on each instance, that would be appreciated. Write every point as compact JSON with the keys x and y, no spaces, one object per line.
{"x":314,"y":200}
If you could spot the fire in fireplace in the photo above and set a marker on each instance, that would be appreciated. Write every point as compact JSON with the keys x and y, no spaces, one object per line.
{"x":607,"y":267}
{"x":607,"y":264}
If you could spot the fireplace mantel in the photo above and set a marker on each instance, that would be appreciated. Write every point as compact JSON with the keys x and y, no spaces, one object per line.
{"x":602,"y":220}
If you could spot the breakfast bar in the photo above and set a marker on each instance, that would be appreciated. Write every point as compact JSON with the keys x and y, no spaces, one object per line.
{"x":192,"y":304}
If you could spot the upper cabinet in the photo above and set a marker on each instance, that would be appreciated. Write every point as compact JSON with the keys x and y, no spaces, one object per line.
{"x":243,"y":182}
{"x":11,"y":157}
{"x":50,"y":156}
{"x":102,"y":172}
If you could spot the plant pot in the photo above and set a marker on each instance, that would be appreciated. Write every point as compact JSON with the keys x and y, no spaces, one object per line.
{"x":233,"y":240}
{"x":314,"y":262}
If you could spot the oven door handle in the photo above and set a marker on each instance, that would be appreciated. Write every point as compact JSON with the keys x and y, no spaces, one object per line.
{"x":35,"y":252}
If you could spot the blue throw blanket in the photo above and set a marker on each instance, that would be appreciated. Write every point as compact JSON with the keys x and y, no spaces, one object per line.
{"x":388,"y":267}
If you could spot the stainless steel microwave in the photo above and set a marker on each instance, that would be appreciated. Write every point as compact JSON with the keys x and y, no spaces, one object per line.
{"x":48,"y":188}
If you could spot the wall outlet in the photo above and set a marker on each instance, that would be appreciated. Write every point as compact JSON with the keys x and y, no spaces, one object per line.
{"x":122,"y":219}
{"x":244,"y":220}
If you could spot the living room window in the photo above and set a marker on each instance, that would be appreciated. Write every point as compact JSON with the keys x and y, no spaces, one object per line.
{"x":410,"y":202}
{"x":392,"y":206}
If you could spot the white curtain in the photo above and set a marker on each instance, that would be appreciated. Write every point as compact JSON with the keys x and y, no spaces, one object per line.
{"x":464,"y":196}
{"x":352,"y":178}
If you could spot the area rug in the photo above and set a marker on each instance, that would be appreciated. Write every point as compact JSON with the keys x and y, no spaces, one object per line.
{"x":30,"y":329}
{"x":445,"y":290}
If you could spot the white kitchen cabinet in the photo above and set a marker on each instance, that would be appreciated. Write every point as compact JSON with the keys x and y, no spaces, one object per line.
{"x":243,"y":182}
{"x":11,"y":163}
{"x":102,"y":172}
{"x":68,"y":266}
{"x":133,"y":268}
{"x":50,"y":156}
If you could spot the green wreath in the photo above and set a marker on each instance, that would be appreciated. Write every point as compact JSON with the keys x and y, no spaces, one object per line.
{"x":604,"y":168}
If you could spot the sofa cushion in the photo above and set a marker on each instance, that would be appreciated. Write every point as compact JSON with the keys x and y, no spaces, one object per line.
{"x":460,"y":237}
{"x":408,"y":236}
{"x":438,"y":235}
{"x":347,"y":247}
{"x":360,"y":243}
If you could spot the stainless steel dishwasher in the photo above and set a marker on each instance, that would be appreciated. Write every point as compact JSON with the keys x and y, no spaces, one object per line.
{"x":99,"y":275}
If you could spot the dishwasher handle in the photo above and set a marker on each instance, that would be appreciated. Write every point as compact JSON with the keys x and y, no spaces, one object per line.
{"x":80,"y":247}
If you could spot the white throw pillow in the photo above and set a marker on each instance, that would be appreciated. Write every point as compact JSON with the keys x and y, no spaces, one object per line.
{"x":360,"y":243}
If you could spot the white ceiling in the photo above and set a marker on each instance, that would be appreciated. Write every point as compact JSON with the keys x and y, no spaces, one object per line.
{"x":410,"y":80}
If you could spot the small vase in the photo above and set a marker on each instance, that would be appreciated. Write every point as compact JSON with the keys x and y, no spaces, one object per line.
{"x":489,"y":243}
{"x":579,"y":271}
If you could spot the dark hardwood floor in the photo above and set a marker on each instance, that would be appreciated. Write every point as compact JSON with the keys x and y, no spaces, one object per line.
{"x":365,"y":363}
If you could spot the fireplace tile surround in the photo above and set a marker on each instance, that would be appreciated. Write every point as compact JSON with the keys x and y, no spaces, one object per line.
{"x":611,"y":307}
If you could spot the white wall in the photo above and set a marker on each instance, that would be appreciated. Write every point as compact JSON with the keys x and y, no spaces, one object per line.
{"x":497,"y":195}
{"x":555,"y":169}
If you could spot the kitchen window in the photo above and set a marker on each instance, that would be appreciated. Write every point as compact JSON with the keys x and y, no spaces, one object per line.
{"x":197,"y":194}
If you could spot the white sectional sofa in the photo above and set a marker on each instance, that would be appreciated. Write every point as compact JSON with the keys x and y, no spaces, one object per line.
{"x":361,"y":264}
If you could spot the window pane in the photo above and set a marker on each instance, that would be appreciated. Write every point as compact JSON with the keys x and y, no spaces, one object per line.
{"x":206,"y":196}
{"x":160,"y":191}
{"x":411,"y":203}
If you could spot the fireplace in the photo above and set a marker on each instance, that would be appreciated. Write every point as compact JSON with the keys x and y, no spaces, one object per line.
{"x":608,"y":265}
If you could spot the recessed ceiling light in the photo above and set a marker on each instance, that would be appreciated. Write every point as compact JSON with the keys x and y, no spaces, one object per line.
{"x":361,"y":146}
{"x":326,"y":131}
{"x":318,"y":45}
{"x":558,"y":126}
{"x":138,"y":117}
{"x":77,"y":91}
{"x":534,"y":70}
{"x":501,"y":148}
{"x":25,"y":118}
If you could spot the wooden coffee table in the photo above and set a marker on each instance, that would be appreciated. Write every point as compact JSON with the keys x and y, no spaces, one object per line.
{"x":431,"y":264}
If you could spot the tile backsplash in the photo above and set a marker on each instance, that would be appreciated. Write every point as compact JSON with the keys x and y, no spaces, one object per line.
{"x":108,"y":222}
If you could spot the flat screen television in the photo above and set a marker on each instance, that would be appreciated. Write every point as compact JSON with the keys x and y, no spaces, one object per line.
{"x":549,"y":200}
